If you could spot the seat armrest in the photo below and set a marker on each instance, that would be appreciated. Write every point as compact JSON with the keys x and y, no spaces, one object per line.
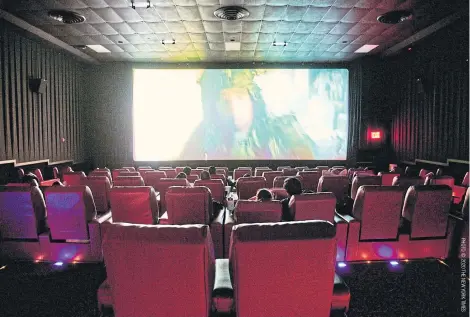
{"x":338,"y":219}
{"x":163,"y":220}
{"x":341,"y":295}
{"x":102,"y":218}
{"x":346,"y":218}
{"x":222,"y":293}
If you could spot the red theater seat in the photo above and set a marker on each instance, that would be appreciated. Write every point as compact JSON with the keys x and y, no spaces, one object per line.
{"x":158,"y":270}
{"x":162,"y":187}
{"x":360,"y":180}
{"x":55,"y":173}
{"x":129,"y":168}
{"x":216,"y":187}
{"x":220,"y":177}
{"x":387,"y":178}
{"x":73,"y":178}
{"x":427,"y":208}
{"x":134,"y":205}
{"x":117,"y":172}
{"x":129,"y":174}
{"x":101,"y":172}
{"x":170,"y":173}
{"x":278,"y":193}
{"x":260,"y":170}
{"x":338,"y":185}
{"x":259,"y":257}
{"x":192,"y":178}
{"x":279,"y":181}
{"x":270,"y":176}
{"x":151,"y":178}
{"x":301,"y":168}
{"x":465,"y":180}
{"x":188,"y":205}
{"x":407,"y":181}
{"x":240,"y":172}
{"x":69,"y":210}
{"x":129,"y":181}
{"x":280,"y":168}
{"x":440,"y":180}
{"x":204,"y":168}
{"x":22,"y":212}
{"x":100,"y":187}
{"x":41,"y":179}
{"x":423,"y":172}
{"x":197,"y":172}
{"x":289,"y":171}
{"x":179,"y":169}
{"x":249,"y":211}
{"x":20,"y":173}
{"x":319,"y":206}
{"x":309,"y":180}
{"x":222,"y":170}
{"x":248,"y":186}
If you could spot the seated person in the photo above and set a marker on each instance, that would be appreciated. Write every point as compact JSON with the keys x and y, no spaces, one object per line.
{"x":58,"y":184}
{"x":31,"y":179}
{"x":293,"y":187}
{"x":187,"y":170}
{"x":212,"y":170}
{"x":182,"y":175}
{"x":263,"y":194}
{"x":205,"y":175}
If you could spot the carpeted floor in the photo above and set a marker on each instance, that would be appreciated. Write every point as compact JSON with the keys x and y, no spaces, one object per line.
{"x":424,"y":288}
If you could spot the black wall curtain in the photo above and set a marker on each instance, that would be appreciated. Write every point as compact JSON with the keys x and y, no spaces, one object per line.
{"x":32,"y":125}
{"x":356,"y":125}
{"x":429,"y":91}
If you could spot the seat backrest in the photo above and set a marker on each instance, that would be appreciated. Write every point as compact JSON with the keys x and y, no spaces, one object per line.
{"x":279,"y":181}
{"x":179,"y":169}
{"x":301,"y":168}
{"x":319,"y":206}
{"x":351,"y":172}
{"x":101,"y":173}
{"x":134,"y":205}
{"x":364,"y":173}
{"x":465,"y":180}
{"x":278,"y":193}
{"x":221,"y":177}
{"x":216,"y":186}
{"x":222,"y":170}
{"x":427,"y":208}
{"x":423,"y":172}
{"x":100,"y":187}
{"x":338,"y":185}
{"x":280,"y":168}
{"x":192,"y":178}
{"x":163,"y":185}
{"x":251,"y":211}
{"x":360,"y":180}
{"x":248,"y":186}
{"x":38,"y":174}
{"x":378,"y":208}
{"x":197,"y":172}
{"x":116,"y":172}
{"x":387,"y":178}
{"x":159,"y":270}
{"x":188,"y":205}
{"x":310,"y":180}
{"x":129,"y":174}
{"x":151,"y":178}
{"x":170,"y":173}
{"x":289,"y":172}
{"x":20,"y":173}
{"x":73,"y":178}
{"x":260,"y":170}
{"x":291,"y":263}
{"x":144,"y":168}
{"x":55,"y":173}
{"x":129,"y":181}
{"x":204,"y":168}
{"x":443,"y":180}
{"x":407,"y":181}
{"x":69,"y":209}
{"x":22,"y":211}
{"x":270,"y":176}
{"x":129,"y":168}
{"x":239,"y":172}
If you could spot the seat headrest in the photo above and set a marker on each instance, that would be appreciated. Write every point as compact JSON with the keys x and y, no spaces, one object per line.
{"x":174,"y":181}
{"x":188,"y":190}
{"x":175,"y":234}
{"x":150,"y":174}
{"x":82,"y":190}
{"x":252,"y":179}
{"x":279,"y":173}
{"x":308,"y":173}
{"x":201,"y":182}
{"x":80,"y":173}
{"x":132,"y":189}
{"x":129,"y":173}
{"x":98,"y":179}
{"x":379,"y":189}
{"x":254,"y":206}
{"x":323,"y":196}
{"x":294,"y":230}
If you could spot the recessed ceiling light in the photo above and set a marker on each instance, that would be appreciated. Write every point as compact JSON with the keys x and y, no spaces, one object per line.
{"x":279,"y":43}
{"x":99,"y":48}
{"x":165,"y":42}
{"x":140,"y":4}
{"x":366,"y":48}
{"x":232,"y":46}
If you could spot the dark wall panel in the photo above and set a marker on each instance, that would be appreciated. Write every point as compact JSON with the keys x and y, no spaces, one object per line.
{"x":429,"y":92}
{"x":32,"y":125}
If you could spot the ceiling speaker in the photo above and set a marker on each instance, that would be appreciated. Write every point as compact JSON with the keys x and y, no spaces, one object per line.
{"x":231,"y":13}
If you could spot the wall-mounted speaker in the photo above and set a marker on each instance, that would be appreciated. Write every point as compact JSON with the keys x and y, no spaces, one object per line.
{"x":38,"y":85}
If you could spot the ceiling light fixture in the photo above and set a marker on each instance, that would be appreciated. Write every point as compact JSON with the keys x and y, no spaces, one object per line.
{"x":232,"y":46}
{"x":279,"y":43}
{"x":366,"y":48}
{"x":167,"y":42}
{"x":99,"y":48}
{"x":140,"y":4}
{"x":231,"y":13}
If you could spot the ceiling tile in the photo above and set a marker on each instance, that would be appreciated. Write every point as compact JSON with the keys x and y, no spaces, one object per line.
{"x":255,"y":2}
{"x":346,"y":4}
{"x":198,"y":37}
{"x":86,"y":29}
{"x":268,"y":27}
{"x":148,"y":15}
{"x":118,"y":39}
{"x":168,"y":13}
{"x":389,"y":4}
{"x":232,"y":26}
{"x":322,"y":3}
{"x":207,"y":2}
{"x":306,"y":27}
{"x":105,"y":29}
{"x":335,"y":48}
{"x":128,"y":48}
{"x":207,"y":13}
{"x":128,"y":14}
{"x":158,"y":27}
{"x":95,"y":3}
{"x":295,"y":13}
{"x":298,"y":38}
{"x":322,"y":47}
{"x":342,"y":28}
{"x":213,"y":26}
{"x":194,"y":26}
{"x":351,"y":48}
{"x":134,"y":39}
{"x":285,"y":26}
{"x":250,"y":37}
{"x":141,"y":28}
{"x":354,"y":15}
{"x":315,"y":14}
{"x":367,"y":4}
{"x":232,"y":37}
{"x":364,"y":39}
{"x":109,"y":15}
{"x":251,"y":26}
{"x":256,"y":13}
{"x":114,"y":48}
{"x":100,"y":39}
{"x":176,"y":27}
{"x":330,"y":39}
{"x":266,"y":38}
{"x":122,"y":28}
{"x":292,"y":46}
{"x":323,"y":28}
{"x":274,"y":13}
{"x":90,"y":16}
{"x":215,"y":37}
{"x":189,"y":13}
{"x":117,"y":3}
{"x":181,"y":38}
{"x":217,"y":46}
{"x":185,"y":2}
{"x":334,"y":14}
{"x":371,"y":17}
{"x":315,"y":38}
{"x":348,"y":38}
{"x":248,"y":46}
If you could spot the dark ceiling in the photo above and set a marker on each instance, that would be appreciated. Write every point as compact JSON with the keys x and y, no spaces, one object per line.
{"x":315,"y":30}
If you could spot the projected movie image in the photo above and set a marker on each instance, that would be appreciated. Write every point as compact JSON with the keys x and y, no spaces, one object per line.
{"x":239,"y":114}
